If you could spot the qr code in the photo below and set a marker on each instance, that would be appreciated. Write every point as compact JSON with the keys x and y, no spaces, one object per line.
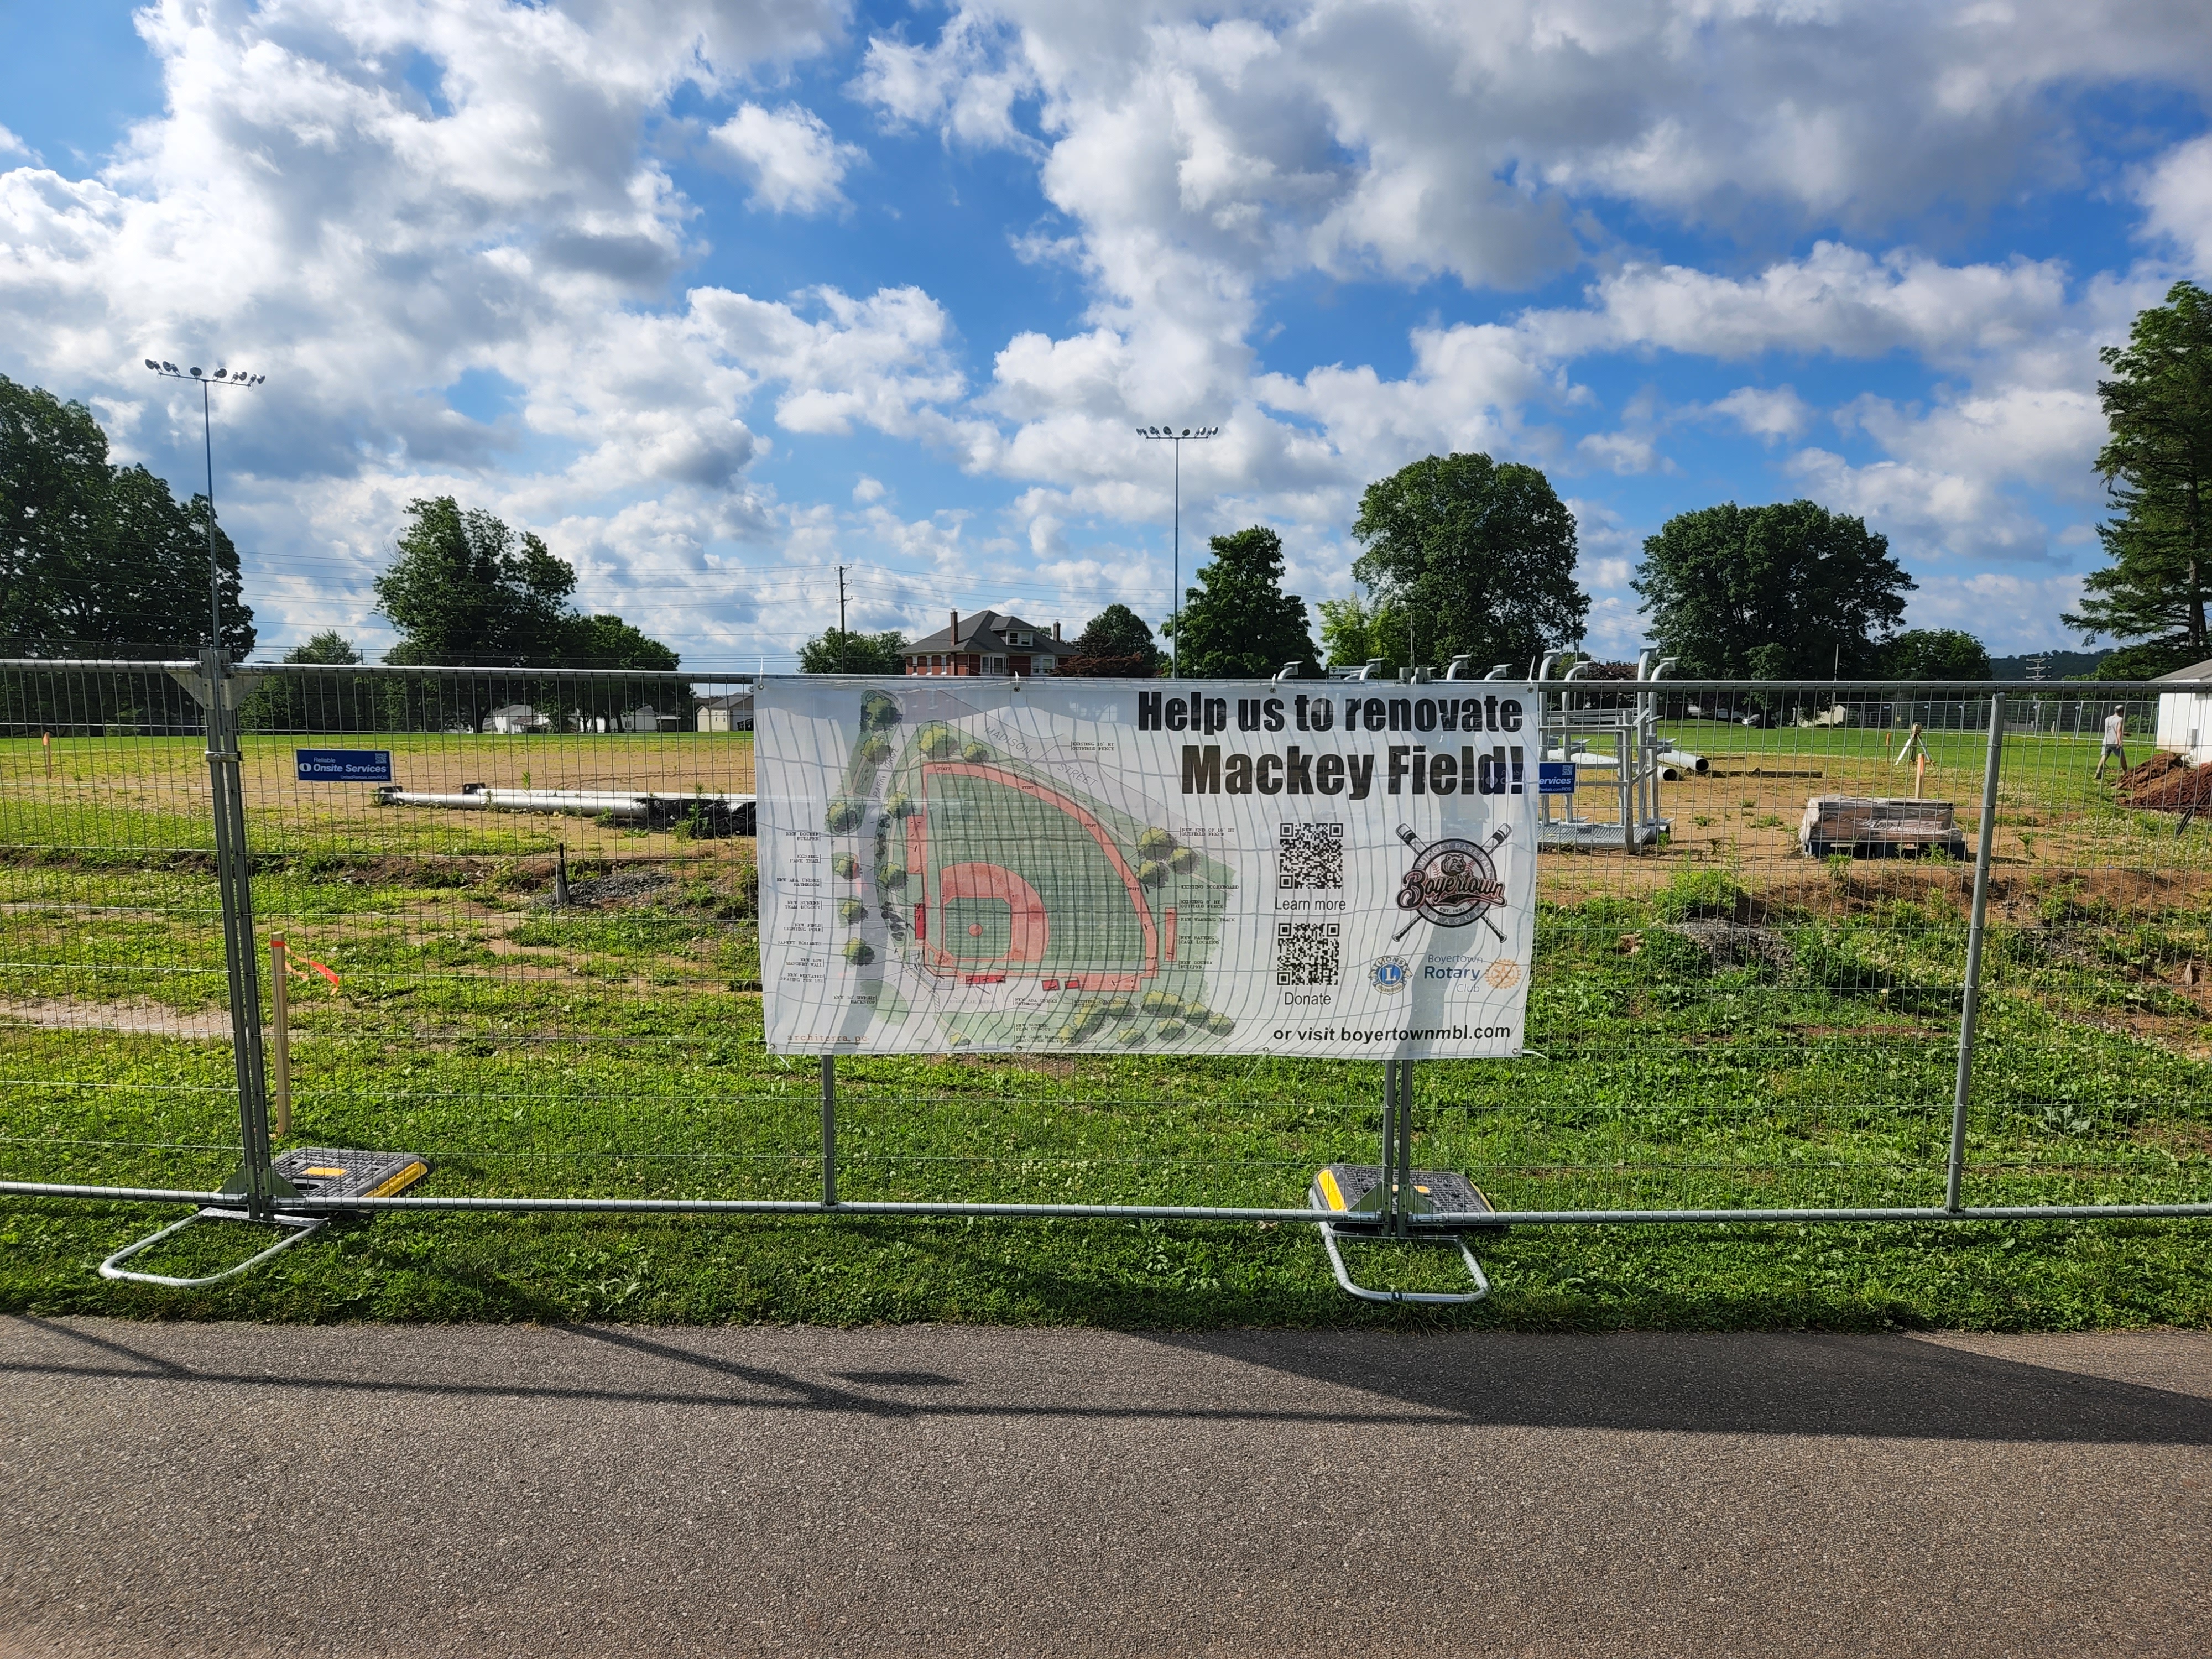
{"x":1309,"y":953}
{"x":1310,"y":855}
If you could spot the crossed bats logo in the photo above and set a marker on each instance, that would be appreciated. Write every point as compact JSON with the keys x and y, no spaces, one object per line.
{"x":1452,"y":883}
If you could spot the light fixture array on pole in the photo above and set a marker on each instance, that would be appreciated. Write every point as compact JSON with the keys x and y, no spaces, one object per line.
{"x":221,"y":377}
{"x":1178,"y":437}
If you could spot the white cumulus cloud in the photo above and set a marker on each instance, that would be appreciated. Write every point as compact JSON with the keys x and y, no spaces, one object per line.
{"x":792,"y":159}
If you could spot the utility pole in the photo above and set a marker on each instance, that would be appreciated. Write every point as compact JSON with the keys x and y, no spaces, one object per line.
{"x":844,"y":641}
{"x":1175,"y":605}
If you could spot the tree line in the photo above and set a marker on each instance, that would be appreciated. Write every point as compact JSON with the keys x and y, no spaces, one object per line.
{"x":1466,"y":556}
{"x":97,"y":560}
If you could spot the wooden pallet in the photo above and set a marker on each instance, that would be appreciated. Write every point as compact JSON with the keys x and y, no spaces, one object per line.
{"x":1871,"y":826}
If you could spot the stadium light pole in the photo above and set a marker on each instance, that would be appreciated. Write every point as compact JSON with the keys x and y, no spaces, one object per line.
{"x":221,"y":377}
{"x":1178,"y":438}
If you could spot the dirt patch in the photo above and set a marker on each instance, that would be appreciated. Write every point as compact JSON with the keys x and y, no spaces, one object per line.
{"x":1736,"y":944}
{"x":1050,"y":1065}
{"x":637,"y":883}
{"x":138,"y":1018}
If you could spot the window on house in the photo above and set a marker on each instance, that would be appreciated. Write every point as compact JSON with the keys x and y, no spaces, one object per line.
{"x":1041,"y":663}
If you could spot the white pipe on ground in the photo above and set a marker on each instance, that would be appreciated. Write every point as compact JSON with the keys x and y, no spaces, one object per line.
{"x":588,"y":803}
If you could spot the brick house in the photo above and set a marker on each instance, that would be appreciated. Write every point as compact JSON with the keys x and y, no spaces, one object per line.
{"x":989,"y":642}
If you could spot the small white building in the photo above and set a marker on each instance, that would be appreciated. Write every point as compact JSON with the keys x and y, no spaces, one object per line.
{"x":733,"y":713}
{"x":2184,"y":714}
{"x":517,"y":717}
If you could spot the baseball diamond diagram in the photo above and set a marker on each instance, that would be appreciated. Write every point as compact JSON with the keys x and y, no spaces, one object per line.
{"x":1145,"y":866}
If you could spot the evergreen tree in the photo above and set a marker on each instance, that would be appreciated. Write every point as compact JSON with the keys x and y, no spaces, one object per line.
{"x":1237,"y":622}
{"x":2158,"y":468}
{"x":1480,"y":556}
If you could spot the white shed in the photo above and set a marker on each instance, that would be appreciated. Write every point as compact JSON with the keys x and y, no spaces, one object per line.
{"x":732,"y":712}
{"x":517,"y":717}
{"x":2184,"y":714}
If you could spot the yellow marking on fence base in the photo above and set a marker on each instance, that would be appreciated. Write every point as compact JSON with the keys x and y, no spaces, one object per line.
{"x":406,"y":1177}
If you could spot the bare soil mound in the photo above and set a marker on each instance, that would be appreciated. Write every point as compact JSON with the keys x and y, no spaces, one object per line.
{"x":2166,"y":783}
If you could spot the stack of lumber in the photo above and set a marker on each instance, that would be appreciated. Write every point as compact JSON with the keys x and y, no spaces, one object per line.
{"x":1874,"y":828}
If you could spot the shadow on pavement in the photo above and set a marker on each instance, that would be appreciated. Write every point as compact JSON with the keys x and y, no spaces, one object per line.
{"x":1725,"y":1383}
{"x":1784,"y":1384}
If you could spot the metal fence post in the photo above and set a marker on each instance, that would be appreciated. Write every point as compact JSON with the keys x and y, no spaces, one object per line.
{"x":828,"y":1132}
{"x":256,"y":1181}
{"x":1403,"y":1175}
{"x":1977,"y":923}
{"x":1397,"y":1143}
{"x":280,"y":1045}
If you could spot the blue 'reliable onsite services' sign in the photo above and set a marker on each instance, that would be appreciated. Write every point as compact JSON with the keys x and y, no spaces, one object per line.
{"x":1553,"y":777}
{"x":343,"y":765}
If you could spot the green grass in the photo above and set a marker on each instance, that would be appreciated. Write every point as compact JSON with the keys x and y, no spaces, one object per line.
{"x":618,"y":1052}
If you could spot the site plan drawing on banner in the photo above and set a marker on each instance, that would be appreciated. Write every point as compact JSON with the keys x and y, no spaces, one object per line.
{"x":1309,"y":867}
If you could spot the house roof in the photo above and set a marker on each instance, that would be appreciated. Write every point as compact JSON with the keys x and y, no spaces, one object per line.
{"x":732,"y":700}
{"x":2201,"y":671}
{"x":979,"y":632}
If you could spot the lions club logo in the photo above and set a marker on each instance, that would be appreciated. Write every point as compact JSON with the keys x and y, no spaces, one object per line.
{"x":1390,"y":974}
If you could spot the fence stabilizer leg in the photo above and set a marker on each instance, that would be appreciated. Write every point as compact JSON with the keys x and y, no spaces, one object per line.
{"x":299,"y":1228}
{"x":323,"y":1173}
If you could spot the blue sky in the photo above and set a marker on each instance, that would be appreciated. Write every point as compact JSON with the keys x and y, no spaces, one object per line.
{"x":718,"y":296}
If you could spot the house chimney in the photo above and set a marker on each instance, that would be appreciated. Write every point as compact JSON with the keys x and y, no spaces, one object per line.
{"x":956,"y":628}
{"x":1056,"y":630}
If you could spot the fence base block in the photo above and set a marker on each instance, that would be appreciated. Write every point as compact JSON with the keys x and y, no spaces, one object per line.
{"x":1354,"y":1200}
{"x":345,"y":1172}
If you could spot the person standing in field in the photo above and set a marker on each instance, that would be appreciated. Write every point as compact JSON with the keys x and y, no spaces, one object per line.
{"x":2116,"y":741}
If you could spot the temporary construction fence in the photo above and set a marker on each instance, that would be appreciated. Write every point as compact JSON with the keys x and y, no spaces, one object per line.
{"x":520,"y":923}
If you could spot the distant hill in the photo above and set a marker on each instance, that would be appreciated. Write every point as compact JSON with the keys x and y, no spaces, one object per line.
{"x":2058,"y":665}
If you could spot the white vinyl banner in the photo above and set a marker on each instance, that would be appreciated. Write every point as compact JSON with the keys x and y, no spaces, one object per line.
{"x":1317,"y":868}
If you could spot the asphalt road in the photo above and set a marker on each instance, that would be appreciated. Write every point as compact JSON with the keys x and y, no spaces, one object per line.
{"x":244,"y":1490}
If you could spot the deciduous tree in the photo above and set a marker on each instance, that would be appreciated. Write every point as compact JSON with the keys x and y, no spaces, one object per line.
{"x":1935,"y":653}
{"x":1237,"y":621}
{"x":1480,"y":555}
{"x":1355,"y":631}
{"x":462,"y":589}
{"x":838,"y":651}
{"x":1787,"y":591}
{"x":96,"y":555}
{"x":1115,"y":644}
